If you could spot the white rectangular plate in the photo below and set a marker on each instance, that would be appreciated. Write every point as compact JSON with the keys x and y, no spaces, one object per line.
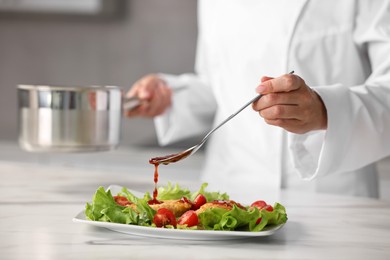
{"x":172,"y":233}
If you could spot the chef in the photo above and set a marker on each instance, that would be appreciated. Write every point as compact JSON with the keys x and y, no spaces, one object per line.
{"x":320,"y":129}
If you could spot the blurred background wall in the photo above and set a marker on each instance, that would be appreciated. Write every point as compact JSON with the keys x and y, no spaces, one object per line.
{"x":145,"y":36}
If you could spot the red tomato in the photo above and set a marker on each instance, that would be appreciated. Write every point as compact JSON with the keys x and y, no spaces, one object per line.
{"x":199,"y":200}
{"x":164,"y":217}
{"x":189,"y":218}
{"x":259,"y":204}
{"x":258,"y":221}
{"x":123,"y":201}
{"x":185,"y":200}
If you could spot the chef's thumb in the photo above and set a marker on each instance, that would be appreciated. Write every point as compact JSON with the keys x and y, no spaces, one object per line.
{"x":265,"y":78}
{"x":260,"y":89}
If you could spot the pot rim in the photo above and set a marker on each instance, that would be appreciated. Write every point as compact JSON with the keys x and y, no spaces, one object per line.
{"x":67,"y":88}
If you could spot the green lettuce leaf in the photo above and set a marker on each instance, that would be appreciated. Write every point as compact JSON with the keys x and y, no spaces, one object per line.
{"x":277,"y":216}
{"x":172,"y":192}
{"x":101,"y":201}
{"x":175,"y":192}
{"x":242,"y":219}
{"x":210,"y":196}
{"x":145,"y":212}
{"x":128,"y":195}
{"x":104,"y":208}
{"x":223,"y":219}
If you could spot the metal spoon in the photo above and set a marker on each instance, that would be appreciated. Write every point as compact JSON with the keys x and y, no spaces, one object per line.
{"x":180,"y":156}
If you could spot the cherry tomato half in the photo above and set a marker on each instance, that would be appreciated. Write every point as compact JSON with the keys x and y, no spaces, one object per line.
{"x":122,"y":201}
{"x":261,"y":204}
{"x":269,"y":208}
{"x":189,"y":218}
{"x":199,"y":200}
{"x":164,"y":217}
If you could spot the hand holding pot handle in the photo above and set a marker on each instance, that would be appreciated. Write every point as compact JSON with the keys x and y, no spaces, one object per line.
{"x":150,"y":96}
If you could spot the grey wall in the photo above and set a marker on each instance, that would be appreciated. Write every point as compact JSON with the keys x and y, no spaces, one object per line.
{"x":152,"y":36}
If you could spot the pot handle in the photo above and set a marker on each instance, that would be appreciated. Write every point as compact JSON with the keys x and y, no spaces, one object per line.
{"x":131,"y":102}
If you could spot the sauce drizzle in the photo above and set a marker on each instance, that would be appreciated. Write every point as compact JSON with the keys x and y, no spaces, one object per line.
{"x":155,"y":191}
{"x":156,"y":161}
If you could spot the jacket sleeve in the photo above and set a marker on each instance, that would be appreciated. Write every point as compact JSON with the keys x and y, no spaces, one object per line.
{"x":191,"y":113}
{"x":193,"y":106}
{"x":358,"y":131}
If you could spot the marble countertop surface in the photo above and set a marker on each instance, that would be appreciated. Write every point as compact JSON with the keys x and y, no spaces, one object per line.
{"x":41,"y":193}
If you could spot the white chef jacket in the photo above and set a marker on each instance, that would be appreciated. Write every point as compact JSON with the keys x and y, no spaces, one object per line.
{"x":340,"y":48}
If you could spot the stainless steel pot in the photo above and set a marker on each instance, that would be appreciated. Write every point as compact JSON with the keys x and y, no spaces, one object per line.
{"x":69,"y":119}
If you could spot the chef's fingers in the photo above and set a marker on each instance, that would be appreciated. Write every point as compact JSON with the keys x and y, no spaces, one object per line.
{"x":144,"y":97}
{"x":265,"y":78}
{"x":136,"y":111}
{"x":135,"y":89}
{"x":145,"y":87}
{"x":277,"y":103}
{"x":150,"y":90}
{"x":306,"y":115}
{"x":281,"y":112}
{"x":160,"y":102}
{"x":292,"y":125}
{"x":284,"y":83}
{"x":272,"y":99}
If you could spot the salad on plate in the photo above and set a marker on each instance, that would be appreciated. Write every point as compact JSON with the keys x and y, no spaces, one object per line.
{"x":175,"y":207}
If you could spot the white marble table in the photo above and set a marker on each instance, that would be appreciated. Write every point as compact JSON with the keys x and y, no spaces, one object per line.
{"x":39,"y":196}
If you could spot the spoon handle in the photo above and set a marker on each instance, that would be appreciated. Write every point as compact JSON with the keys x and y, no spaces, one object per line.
{"x":231,"y":116}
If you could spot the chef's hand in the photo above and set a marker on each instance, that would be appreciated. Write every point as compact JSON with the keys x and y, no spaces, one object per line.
{"x":289,"y":103}
{"x":154,"y":94}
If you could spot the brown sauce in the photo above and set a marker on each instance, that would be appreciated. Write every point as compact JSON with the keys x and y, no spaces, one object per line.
{"x":221,"y":202}
{"x":185,"y":200}
{"x":165,"y":159}
{"x":156,"y":161}
{"x":155,"y":191}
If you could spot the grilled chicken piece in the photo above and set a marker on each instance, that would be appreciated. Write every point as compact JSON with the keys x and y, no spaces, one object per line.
{"x":225,"y":204}
{"x":133,"y":207}
{"x":178,"y":207}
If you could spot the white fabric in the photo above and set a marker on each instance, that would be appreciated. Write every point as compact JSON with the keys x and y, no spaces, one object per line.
{"x":342,"y":53}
